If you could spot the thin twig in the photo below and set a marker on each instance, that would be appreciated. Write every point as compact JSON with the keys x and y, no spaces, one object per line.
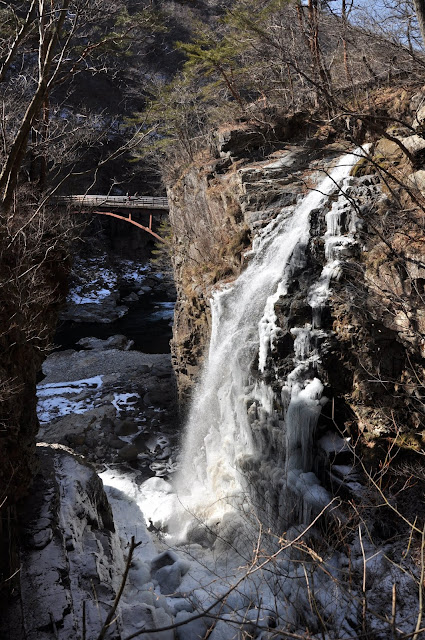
{"x":421,"y":588}
{"x":110,"y":618}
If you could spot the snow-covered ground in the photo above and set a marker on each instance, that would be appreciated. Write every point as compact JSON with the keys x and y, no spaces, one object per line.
{"x":93,"y":280}
{"x":95,"y":285}
{"x":94,"y":288}
{"x":184,"y":581}
{"x":132,"y":272}
{"x":54,"y":399}
{"x":255,"y":585}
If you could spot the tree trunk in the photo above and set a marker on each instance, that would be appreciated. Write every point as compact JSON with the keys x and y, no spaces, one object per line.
{"x":12,"y":165}
{"x":25,"y":28}
{"x":420,"y":14}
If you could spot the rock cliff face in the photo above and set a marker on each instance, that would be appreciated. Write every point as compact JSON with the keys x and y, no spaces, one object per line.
{"x":69,"y":556}
{"x":371,"y":330}
{"x":28,"y":322}
{"x":210,"y":234}
{"x":216,"y":208}
{"x":29,"y":306}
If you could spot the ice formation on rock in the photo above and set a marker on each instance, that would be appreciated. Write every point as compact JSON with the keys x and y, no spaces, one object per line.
{"x":233,"y":429}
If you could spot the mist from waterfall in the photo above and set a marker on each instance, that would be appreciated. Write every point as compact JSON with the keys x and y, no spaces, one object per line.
{"x":219,"y":442}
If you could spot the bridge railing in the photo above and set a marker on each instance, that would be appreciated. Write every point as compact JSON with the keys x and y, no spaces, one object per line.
{"x":124,"y":202}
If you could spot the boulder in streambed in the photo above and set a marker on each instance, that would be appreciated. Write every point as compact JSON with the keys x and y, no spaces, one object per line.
{"x":131,"y":298}
{"x":126,"y":427}
{"x":114,"y":342}
{"x":92,"y":401}
{"x":143,"y":290}
{"x":128,"y":452}
{"x":106,"y":312}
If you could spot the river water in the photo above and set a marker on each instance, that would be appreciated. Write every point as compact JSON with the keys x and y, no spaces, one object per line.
{"x":148,"y":323}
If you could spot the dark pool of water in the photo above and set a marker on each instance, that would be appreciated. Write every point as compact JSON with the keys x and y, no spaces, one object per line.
{"x":147,"y":323}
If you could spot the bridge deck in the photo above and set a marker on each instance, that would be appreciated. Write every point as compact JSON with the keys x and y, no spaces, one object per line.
{"x":117,"y":202}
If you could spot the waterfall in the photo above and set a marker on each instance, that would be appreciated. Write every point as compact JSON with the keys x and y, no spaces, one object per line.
{"x":245,"y":444}
{"x":250,"y":443}
{"x":220,"y":444}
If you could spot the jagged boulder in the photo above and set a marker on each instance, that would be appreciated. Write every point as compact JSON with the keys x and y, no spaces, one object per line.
{"x":69,"y":558}
{"x":113,"y":342}
{"x":236,"y":140}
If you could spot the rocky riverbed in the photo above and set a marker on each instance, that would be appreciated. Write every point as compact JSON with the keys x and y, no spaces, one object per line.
{"x":102,"y":402}
{"x":110,"y":405}
{"x":103,"y":288}
{"x":106,"y":400}
{"x":111,"y":295}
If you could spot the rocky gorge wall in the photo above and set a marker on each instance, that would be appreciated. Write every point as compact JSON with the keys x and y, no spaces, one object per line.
{"x":372,"y":324}
{"x":215,"y":207}
{"x":70,"y":558}
{"x":209,"y":235}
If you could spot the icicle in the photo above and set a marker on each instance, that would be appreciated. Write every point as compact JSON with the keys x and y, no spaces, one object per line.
{"x":302,"y":345}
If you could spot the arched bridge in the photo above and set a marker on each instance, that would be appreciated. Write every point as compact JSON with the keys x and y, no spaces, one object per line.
{"x":155,"y":205}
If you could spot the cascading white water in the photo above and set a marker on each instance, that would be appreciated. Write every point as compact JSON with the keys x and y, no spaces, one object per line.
{"x":237,"y":438}
{"x":219,"y":442}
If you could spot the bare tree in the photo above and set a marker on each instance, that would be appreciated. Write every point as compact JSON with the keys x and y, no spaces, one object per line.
{"x":45,"y":44}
